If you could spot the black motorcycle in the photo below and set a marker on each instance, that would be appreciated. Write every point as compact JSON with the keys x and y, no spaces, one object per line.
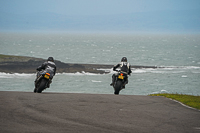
{"x":42,"y":82}
{"x":119,"y":83}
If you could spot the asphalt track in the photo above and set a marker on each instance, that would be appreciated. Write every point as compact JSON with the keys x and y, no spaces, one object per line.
{"x":28,"y":112}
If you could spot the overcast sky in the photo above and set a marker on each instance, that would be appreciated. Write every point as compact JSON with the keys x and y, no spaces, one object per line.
{"x":124,"y":15}
{"x":95,"y":7}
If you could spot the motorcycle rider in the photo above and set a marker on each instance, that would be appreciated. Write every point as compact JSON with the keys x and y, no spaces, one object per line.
{"x":124,"y":68}
{"x":48,"y":66}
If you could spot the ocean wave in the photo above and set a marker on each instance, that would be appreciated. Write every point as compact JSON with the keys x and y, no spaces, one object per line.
{"x":139,"y":71}
{"x":14,"y":75}
{"x":78,"y":73}
{"x":106,"y":70}
{"x":96,"y":81}
{"x":158,"y":92}
{"x":168,"y":69}
{"x":184,"y":76}
{"x":180,"y":67}
{"x":159,"y":70}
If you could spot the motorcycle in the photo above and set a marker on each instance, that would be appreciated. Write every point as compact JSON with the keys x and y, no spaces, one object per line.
{"x":119,"y":82}
{"x":42,"y":82}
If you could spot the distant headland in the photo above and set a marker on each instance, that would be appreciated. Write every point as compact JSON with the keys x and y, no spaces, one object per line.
{"x":24,"y":64}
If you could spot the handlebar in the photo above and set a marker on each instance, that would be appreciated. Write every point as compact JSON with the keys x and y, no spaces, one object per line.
{"x":117,"y":70}
{"x":120,"y":71}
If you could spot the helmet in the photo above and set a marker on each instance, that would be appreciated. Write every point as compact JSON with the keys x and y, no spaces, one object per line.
{"x":50,"y":59}
{"x":124,"y":59}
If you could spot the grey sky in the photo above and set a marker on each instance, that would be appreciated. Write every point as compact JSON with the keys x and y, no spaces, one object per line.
{"x":100,"y":15}
{"x":95,"y":7}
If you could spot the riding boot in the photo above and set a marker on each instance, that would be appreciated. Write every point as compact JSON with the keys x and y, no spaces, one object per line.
{"x":35,"y":82}
{"x":48,"y":84}
{"x":126,"y":82}
{"x":113,"y":80}
{"x":123,"y":87}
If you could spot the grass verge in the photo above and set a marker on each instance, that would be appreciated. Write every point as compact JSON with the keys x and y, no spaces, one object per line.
{"x":189,"y":100}
{"x":13,"y":58}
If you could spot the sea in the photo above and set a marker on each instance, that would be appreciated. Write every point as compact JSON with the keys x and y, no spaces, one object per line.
{"x":177,"y":55}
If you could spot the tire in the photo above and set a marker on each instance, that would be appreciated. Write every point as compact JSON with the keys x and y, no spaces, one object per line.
{"x":42,"y":85}
{"x":118,"y":87}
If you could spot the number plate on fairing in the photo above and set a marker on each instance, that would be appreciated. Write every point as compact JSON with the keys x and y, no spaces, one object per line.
{"x":121,"y":77}
{"x":46,"y":76}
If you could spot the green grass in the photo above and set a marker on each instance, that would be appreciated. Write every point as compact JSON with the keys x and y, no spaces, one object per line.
{"x":189,"y":100}
{"x":13,"y":58}
{"x":10,"y":56}
{"x":3,"y":56}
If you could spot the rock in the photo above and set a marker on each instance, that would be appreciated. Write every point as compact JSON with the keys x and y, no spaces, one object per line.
{"x":23,"y":64}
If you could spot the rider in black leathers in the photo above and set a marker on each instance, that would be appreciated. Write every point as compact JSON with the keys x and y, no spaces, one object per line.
{"x":124,"y":68}
{"x":49,"y":67}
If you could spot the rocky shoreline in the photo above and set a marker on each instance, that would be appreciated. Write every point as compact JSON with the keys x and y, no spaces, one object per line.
{"x":24,"y":64}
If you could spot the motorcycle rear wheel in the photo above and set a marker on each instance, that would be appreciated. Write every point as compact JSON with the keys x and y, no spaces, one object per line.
{"x":41,"y":86}
{"x":118,"y":87}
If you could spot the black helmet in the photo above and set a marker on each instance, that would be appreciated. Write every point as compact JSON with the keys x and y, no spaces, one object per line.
{"x":124,"y":59}
{"x":50,"y":59}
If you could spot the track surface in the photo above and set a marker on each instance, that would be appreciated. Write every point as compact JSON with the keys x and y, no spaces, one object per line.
{"x":94,"y":113}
